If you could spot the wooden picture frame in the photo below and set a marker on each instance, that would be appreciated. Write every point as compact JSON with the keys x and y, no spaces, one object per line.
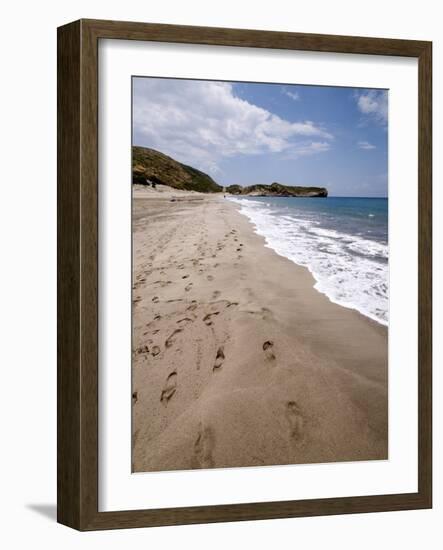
{"x":77,"y":480}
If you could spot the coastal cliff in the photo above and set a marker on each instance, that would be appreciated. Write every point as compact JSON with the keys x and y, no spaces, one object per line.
{"x":277,"y":190}
{"x":152,"y":167}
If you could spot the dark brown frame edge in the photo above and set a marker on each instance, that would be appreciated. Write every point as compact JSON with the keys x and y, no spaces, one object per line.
{"x":77,"y":319}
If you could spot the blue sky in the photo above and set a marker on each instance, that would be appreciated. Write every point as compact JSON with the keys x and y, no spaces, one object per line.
{"x":247,"y":133}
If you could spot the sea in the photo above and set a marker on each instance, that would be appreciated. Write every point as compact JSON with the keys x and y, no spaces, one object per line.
{"x":343,"y":241}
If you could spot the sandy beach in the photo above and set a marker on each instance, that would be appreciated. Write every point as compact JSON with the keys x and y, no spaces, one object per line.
{"x":237,"y":359}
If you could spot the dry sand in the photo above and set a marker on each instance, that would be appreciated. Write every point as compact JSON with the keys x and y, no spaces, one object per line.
{"x":237,"y":359}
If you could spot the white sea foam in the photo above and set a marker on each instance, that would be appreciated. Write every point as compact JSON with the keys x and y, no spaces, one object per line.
{"x":352,"y":271}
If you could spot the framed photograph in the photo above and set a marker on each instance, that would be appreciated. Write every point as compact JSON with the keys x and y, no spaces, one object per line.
{"x":244,"y":275}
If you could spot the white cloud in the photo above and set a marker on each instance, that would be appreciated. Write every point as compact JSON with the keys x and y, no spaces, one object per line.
{"x":374,"y":104}
{"x":293,"y":95}
{"x":307,"y":148}
{"x":366,"y":145}
{"x":201,"y":122}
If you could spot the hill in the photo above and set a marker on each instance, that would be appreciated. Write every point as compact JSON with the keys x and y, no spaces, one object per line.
{"x":277,"y":190}
{"x":149,"y":164}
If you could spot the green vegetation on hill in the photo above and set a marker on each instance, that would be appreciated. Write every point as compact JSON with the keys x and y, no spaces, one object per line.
{"x":148,"y":164}
{"x":235,"y":189}
{"x":277,"y":190}
{"x":151,"y":166}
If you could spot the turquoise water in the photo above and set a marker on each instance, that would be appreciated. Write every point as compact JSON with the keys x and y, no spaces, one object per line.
{"x":343,"y":241}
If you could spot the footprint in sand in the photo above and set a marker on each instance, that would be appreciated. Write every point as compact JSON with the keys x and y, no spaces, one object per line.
{"x":219,"y":359}
{"x":142,"y":349}
{"x":162,"y":283}
{"x":155,"y":350}
{"x":170,"y":340}
{"x":210,"y":277}
{"x":204,"y":447}
{"x":268,"y":348}
{"x":207,"y":318}
{"x":184,"y":320}
{"x":156,"y":299}
{"x":188,"y":287}
{"x":295,"y":419}
{"x":215,"y":294}
{"x":192,"y":306}
{"x":185,"y":276}
{"x":169,"y":388}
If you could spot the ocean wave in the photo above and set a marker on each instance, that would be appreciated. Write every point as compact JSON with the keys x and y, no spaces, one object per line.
{"x":351,"y":270}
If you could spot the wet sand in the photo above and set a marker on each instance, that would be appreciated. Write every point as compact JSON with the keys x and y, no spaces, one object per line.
{"x":237,"y":359}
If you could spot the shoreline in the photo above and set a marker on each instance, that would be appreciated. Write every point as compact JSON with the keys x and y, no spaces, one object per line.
{"x":238,"y":360}
{"x":318,"y":279}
